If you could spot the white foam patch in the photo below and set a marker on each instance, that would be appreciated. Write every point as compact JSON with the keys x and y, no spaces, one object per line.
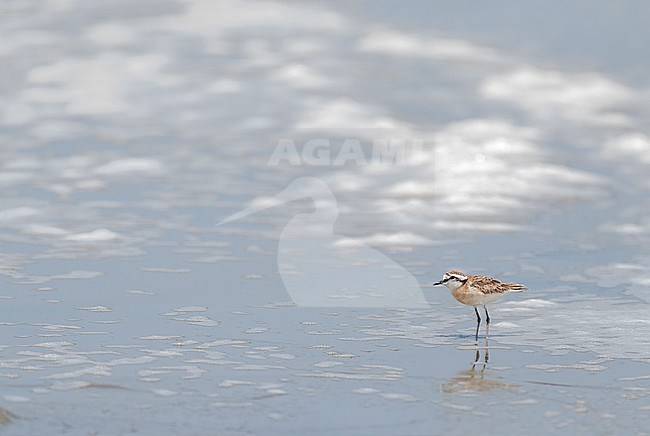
{"x":162,"y":353}
{"x":473,"y":176}
{"x":44,"y":230}
{"x":610,"y":328}
{"x":189,"y":309}
{"x":78,"y":275}
{"x":60,"y":327}
{"x":588,"y":324}
{"x":252,"y":367}
{"x":344,"y":113}
{"x":366,"y":391}
{"x":82,"y":87}
{"x":587,"y":97}
{"x":634,"y":277}
{"x":138,"y":292}
{"x":16,"y":399}
{"x":203,"y":321}
{"x":532,"y":302}
{"x":632,"y":148}
{"x":95,"y":371}
{"x":164,"y":392}
{"x":62,"y":344}
{"x":131,"y":361}
{"x":233,"y":383}
{"x":385,"y":240}
{"x":18,"y":214}
{"x":327,"y":364}
{"x":130,"y":166}
{"x":72,"y":385}
{"x":210,"y":19}
{"x":394,"y":43}
{"x":506,"y":325}
{"x":301,"y":76}
{"x":398,"y":396}
{"x":349,"y":376}
{"x":167,"y":270}
{"x":222,"y":342}
{"x":233,"y":405}
{"x":100,"y":235}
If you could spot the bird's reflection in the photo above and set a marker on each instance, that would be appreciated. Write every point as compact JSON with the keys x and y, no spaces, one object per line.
{"x":5,"y":417}
{"x":475,"y":379}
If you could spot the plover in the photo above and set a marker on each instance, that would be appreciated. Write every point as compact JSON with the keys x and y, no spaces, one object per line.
{"x":475,"y":290}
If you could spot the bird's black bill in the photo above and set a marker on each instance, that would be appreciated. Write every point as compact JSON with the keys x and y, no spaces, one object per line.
{"x":443,"y":281}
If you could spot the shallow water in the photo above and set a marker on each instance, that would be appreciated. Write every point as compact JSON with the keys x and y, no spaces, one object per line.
{"x":129,"y":131}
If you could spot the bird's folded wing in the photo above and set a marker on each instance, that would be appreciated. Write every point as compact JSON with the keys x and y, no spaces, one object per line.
{"x":488,"y":285}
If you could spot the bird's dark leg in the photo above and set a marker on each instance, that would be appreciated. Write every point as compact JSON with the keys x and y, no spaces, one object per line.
{"x":478,"y":323}
{"x":478,"y":356}
{"x":487,"y":315}
{"x":487,"y":347}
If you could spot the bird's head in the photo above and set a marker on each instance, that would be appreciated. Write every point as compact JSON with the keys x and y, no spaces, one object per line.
{"x":452,"y":279}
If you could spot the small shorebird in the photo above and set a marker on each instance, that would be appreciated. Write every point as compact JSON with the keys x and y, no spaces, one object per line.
{"x":475,"y":290}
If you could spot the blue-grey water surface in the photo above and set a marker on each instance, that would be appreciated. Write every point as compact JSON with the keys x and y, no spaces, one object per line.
{"x":130,"y":129}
